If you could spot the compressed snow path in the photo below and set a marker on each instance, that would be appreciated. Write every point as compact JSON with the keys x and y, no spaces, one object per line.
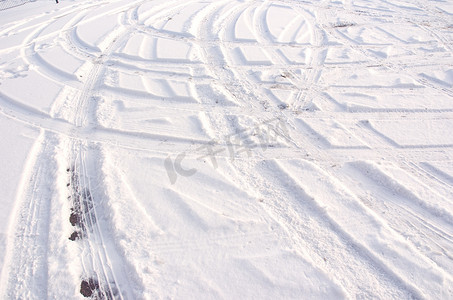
{"x":226,"y":149}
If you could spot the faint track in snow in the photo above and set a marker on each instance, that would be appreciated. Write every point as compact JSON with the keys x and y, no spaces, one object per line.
{"x":428,"y":234}
{"x":25,"y":274}
{"x":350,"y":217}
{"x":307,"y":226}
{"x":315,"y":64}
{"x":397,"y":65}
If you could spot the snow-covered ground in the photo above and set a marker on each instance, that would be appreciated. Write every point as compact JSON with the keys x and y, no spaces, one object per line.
{"x":200,"y":149}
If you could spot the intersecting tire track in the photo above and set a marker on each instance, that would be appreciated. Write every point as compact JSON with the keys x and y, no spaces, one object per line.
{"x":99,"y":280}
{"x":100,"y":272}
{"x":28,"y":270}
{"x":368,"y":255}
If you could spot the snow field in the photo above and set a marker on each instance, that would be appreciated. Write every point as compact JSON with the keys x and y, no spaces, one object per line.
{"x":226,"y":149}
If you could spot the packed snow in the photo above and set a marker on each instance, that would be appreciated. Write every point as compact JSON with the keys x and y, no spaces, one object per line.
{"x":197,"y":149}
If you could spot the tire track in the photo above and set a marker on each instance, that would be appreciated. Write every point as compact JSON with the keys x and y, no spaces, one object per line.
{"x":28,"y":272}
{"x":307,"y":226}
{"x":398,"y":68}
{"x":25,"y":272}
{"x":429,"y":235}
{"x":369,"y":256}
{"x":211,"y":30}
{"x":101,"y":276}
{"x":100,"y":273}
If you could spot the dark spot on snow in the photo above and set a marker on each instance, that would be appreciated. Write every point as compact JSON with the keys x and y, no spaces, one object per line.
{"x":75,"y":236}
{"x":343,"y":24}
{"x":82,"y":215}
{"x":283,"y":106}
{"x":88,"y":287}
{"x":75,"y":219}
{"x":91,"y":288}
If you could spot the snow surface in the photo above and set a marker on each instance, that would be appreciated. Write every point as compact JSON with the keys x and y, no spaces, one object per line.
{"x":274,"y":149}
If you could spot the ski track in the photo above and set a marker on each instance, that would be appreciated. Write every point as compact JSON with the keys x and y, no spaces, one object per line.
{"x":372,"y":218}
